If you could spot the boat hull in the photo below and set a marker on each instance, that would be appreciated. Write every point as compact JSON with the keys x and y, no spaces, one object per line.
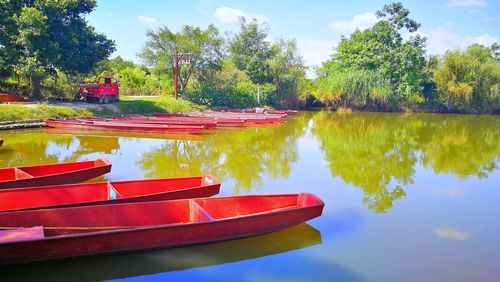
{"x":202,"y":229}
{"x":43,"y":175}
{"x":115,"y":126}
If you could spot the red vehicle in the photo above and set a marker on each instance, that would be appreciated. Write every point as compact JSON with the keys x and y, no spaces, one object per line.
{"x":104,"y":91}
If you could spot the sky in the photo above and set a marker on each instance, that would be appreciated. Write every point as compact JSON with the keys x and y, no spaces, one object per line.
{"x":316,"y":25}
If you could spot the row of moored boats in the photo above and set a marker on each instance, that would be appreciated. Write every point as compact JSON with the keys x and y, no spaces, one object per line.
{"x":46,"y":212}
{"x":173,"y":123}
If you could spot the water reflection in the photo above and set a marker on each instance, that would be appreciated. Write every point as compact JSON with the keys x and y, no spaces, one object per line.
{"x":244,"y":156}
{"x":379,"y":153}
{"x":151,"y":262}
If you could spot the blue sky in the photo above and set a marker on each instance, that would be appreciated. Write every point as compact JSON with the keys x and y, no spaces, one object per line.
{"x":316,"y":25}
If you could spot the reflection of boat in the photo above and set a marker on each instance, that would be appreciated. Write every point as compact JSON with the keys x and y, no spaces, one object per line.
{"x":82,"y":124}
{"x":98,"y":133}
{"x":158,"y":261}
{"x":52,"y":174}
{"x":103,"y":193}
{"x":77,"y":231}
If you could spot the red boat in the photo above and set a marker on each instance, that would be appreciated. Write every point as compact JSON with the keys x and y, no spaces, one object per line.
{"x":41,"y":175}
{"x":116,"y":126}
{"x":78,"y":231}
{"x":101,"y":193}
{"x":137,"y":120}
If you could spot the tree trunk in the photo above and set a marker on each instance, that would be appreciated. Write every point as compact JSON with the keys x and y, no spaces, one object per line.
{"x":35,"y":82}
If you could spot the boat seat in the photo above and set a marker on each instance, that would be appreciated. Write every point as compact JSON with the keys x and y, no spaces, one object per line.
{"x":197,"y":213}
{"x":113,"y":194}
{"x":20,"y":174}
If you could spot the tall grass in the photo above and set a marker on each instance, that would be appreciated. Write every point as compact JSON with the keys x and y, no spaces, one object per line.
{"x":149,"y":105}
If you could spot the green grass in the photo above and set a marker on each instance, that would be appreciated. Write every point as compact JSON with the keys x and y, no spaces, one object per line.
{"x":40,"y":111}
{"x":154,"y":104}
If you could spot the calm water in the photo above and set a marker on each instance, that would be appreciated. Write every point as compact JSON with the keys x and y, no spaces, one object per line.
{"x":408,"y":198}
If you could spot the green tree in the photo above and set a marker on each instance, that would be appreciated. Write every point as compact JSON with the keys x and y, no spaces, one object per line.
{"x":469,"y":81}
{"x":382,"y":51}
{"x":54,"y":35}
{"x":250,"y":51}
{"x":206,"y":47}
{"x":287,"y":71}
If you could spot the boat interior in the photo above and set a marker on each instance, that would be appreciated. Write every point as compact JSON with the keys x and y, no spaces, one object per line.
{"x":73,"y":220}
{"x":94,"y":192}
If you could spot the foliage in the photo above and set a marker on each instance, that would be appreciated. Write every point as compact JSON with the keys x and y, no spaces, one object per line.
{"x":250,"y":51}
{"x":51,"y":36}
{"x":380,"y":51}
{"x":149,"y":105}
{"x":469,"y":81}
{"x":205,"y":47}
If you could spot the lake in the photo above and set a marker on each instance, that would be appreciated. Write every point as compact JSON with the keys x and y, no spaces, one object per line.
{"x":407,"y":197}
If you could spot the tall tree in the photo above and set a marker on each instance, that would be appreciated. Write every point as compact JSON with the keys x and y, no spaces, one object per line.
{"x":287,"y":71}
{"x":250,"y":50}
{"x":383,"y":50}
{"x":205,"y":46}
{"x":54,"y":35}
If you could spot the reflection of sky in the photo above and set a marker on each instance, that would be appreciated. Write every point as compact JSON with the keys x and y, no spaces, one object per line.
{"x":445,"y":228}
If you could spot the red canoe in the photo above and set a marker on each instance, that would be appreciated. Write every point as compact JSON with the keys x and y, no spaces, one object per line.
{"x":41,"y":175}
{"x":116,"y":126}
{"x":101,"y":193}
{"x":78,"y":231}
{"x":137,"y":120}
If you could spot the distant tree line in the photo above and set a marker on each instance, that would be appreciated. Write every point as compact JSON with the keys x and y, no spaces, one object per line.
{"x":46,"y":47}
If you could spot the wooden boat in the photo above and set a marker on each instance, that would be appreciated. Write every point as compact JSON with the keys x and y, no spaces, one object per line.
{"x":6,"y":98}
{"x":78,"y":231}
{"x":52,"y":174}
{"x":101,"y":193}
{"x":116,"y":126}
{"x":136,"y":120}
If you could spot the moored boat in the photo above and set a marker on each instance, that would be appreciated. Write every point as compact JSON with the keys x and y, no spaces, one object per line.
{"x":117,"y":126}
{"x":77,"y":231}
{"x":51,"y":174}
{"x":101,"y":193}
{"x":145,"y":120}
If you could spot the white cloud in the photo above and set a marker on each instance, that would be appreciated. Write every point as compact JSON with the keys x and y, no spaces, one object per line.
{"x":230,"y":15}
{"x":453,"y":234}
{"x":361,"y":21}
{"x":147,"y":20}
{"x":465,"y":3}
{"x":444,"y":38}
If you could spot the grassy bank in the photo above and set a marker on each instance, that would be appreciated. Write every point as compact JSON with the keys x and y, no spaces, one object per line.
{"x":127,"y":105}
{"x":154,"y":104}
{"x":40,"y":111}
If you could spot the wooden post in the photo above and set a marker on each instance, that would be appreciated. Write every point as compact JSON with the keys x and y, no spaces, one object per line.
{"x":176,"y":75}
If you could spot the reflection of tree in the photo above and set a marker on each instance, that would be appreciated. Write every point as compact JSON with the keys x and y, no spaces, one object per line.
{"x":376,"y":151}
{"x":369,"y":153}
{"x":29,"y":148}
{"x":94,"y":144}
{"x":244,"y":155}
{"x":461,"y":145}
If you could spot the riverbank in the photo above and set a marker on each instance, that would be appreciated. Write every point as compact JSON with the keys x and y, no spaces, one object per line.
{"x":27,"y":115}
